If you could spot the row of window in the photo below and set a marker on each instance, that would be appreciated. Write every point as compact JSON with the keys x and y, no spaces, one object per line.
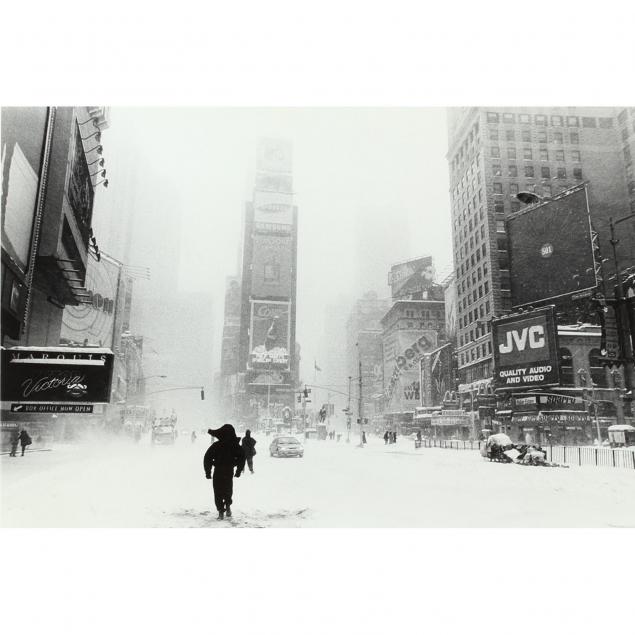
{"x":471,"y":142}
{"x":571,"y":121}
{"x":475,"y":353}
{"x":530,"y":173}
{"x":541,"y":136}
{"x":480,"y":312}
{"x":528,"y":154}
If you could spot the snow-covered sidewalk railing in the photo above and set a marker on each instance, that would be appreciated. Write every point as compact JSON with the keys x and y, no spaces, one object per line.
{"x":570,"y":454}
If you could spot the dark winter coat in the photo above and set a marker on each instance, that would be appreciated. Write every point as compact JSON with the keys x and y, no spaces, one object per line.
{"x":225,"y":454}
{"x":249,"y":445}
{"x":24,"y":438}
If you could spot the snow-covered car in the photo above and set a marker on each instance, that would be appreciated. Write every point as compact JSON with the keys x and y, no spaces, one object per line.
{"x":286,"y":446}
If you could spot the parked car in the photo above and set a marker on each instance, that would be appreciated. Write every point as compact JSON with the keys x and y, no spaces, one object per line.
{"x":286,"y":446}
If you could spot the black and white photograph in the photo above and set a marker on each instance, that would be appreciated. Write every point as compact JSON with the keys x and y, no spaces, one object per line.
{"x":272,"y":334}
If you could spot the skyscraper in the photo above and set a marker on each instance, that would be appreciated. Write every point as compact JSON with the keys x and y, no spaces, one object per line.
{"x":494,"y":153}
{"x":268,"y":287}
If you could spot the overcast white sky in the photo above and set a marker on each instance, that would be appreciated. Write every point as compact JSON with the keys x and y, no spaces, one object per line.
{"x":371,"y":184}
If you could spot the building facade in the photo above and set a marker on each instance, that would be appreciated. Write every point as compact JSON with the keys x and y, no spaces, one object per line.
{"x":494,"y":153}
{"x":267,"y":361}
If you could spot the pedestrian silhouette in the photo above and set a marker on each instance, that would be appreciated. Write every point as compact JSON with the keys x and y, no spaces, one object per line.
{"x":25,"y":440}
{"x":248,"y":445}
{"x":15,"y":441}
{"x":224,"y":455}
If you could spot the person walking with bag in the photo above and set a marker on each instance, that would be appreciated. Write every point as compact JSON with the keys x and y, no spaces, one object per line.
{"x":224,"y":455}
{"x":248,"y":445}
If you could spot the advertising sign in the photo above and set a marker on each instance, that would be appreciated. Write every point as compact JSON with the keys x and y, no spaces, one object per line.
{"x":436,"y":375}
{"x":526,"y":349}
{"x":403,"y":388}
{"x":80,"y":188}
{"x":269,"y":335}
{"x":551,"y":251}
{"x":411,"y":280}
{"x":272,"y":271}
{"x":92,"y":322}
{"x":56,"y":374}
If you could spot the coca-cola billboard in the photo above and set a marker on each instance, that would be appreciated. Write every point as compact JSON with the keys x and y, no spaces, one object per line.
{"x":269,"y":335}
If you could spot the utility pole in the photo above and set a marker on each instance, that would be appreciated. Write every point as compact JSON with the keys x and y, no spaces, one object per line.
{"x":359,"y":407}
{"x":348,"y":412}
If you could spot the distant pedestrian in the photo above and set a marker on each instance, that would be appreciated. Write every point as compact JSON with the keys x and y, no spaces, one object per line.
{"x":386,"y":437}
{"x":249,"y":448}
{"x":419,"y":436}
{"x":15,"y":441}
{"x":193,"y":436}
{"x":25,"y":440}
{"x":363,"y":437}
{"x":224,"y":455}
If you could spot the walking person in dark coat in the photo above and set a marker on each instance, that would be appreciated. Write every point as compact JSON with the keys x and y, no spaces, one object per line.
{"x":248,"y":445}
{"x":386,"y":435}
{"x":224,"y":455}
{"x":25,"y":440}
{"x":15,"y":441}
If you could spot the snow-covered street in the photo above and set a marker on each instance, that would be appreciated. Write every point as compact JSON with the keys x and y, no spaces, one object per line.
{"x":120,"y":484}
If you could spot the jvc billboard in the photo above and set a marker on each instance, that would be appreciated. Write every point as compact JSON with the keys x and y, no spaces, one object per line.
{"x":526,"y":349}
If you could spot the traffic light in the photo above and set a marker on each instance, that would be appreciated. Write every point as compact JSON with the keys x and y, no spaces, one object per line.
{"x":202,"y":395}
{"x":306,"y":393}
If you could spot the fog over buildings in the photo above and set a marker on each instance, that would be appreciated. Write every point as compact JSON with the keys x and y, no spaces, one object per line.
{"x":370,"y":185}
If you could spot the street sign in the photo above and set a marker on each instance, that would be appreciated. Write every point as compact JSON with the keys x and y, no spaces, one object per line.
{"x":74,"y":408}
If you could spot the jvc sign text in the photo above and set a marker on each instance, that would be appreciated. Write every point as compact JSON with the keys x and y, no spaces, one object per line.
{"x":532,"y":336}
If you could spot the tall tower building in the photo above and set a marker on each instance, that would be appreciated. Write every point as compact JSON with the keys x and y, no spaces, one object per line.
{"x":268,"y":286}
{"x":493,"y":153}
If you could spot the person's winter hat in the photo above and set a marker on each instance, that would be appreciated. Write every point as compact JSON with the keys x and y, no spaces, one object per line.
{"x":224,"y":432}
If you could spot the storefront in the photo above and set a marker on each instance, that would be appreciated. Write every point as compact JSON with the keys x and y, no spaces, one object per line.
{"x":452,"y":424}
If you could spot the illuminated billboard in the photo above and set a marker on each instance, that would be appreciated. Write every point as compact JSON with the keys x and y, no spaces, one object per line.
{"x":526,"y":349}
{"x":411,"y":280}
{"x":550,"y":250}
{"x":272,"y":269}
{"x":56,"y":374}
{"x":269,"y":335}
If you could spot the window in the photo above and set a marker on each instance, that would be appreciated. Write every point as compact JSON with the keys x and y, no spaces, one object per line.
{"x":556,"y":120}
{"x":526,"y":136}
{"x":514,"y":206}
{"x":542,"y":136}
{"x":527,"y":154}
{"x":486,"y":289}
{"x":559,"y":155}
{"x":544,"y":154}
{"x":509,"y":117}
{"x":498,"y":188}
{"x":575,"y":137}
{"x":486,"y":305}
{"x":509,"y":135}
{"x":547,"y":189}
{"x":572,"y":122}
{"x":513,"y":188}
{"x":496,"y":169}
{"x":524,"y":118}
{"x":492,"y":117}
{"x":622,"y":117}
{"x":496,"y":151}
{"x":483,"y":250}
{"x":513,"y":170}
{"x":511,"y":153}
{"x":541,"y":120}
{"x":575,"y":155}
{"x":577,"y":173}
{"x":545,"y":173}
{"x":493,"y":134}
{"x":557,"y":138}
{"x":499,"y":208}
{"x":562,"y":173}
{"x":589,"y":122}
{"x":529,"y":171}
{"x":606,"y":122}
